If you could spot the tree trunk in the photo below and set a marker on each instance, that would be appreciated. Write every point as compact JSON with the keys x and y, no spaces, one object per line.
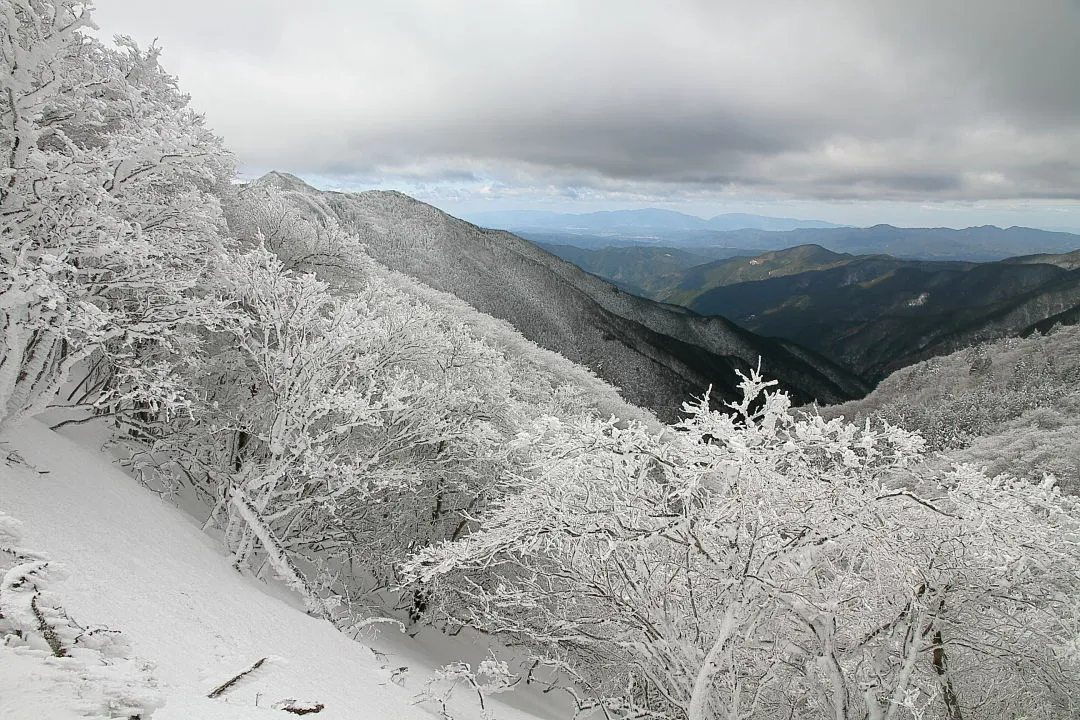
{"x":697,"y":709}
{"x":941,"y":667}
{"x":281,"y":563}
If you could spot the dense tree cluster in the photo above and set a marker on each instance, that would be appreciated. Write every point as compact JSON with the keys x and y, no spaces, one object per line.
{"x":342,"y":432}
{"x":755,"y":565}
{"x":107,"y":210}
{"x":379,"y":446}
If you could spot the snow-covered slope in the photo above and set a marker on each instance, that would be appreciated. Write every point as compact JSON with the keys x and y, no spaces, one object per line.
{"x":122,"y":557}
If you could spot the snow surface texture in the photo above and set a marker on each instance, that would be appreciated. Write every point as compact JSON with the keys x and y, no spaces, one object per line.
{"x":121,"y":558}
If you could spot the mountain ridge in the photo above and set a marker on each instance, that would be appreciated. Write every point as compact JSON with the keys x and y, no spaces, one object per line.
{"x":876,"y":313}
{"x":976,"y":244}
{"x":659,"y":355}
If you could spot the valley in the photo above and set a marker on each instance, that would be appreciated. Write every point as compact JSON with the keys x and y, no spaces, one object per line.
{"x":870,"y":313}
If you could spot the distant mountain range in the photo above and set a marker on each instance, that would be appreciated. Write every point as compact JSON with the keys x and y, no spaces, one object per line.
{"x":871,"y":313}
{"x":642,"y":270}
{"x":978,"y":244}
{"x":659,"y":355}
{"x":650,"y":220}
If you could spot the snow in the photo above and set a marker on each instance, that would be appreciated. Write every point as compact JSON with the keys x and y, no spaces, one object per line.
{"x":920,"y":300}
{"x":136,"y":564}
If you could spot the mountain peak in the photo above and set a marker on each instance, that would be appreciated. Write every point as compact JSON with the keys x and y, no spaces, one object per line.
{"x":285,"y":181}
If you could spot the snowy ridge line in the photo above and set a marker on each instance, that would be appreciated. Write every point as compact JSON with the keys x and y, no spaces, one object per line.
{"x":88,"y":669}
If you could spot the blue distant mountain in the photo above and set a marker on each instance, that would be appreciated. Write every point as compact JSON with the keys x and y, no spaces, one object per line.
{"x":631,"y":221}
{"x":742,"y":221}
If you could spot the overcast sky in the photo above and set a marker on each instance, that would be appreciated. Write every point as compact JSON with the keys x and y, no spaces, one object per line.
{"x":916,"y":112}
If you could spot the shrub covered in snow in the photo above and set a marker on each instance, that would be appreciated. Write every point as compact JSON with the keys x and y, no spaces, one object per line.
{"x":753,"y":564}
{"x":107,"y":210}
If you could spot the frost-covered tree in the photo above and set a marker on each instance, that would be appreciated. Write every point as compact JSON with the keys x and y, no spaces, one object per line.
{"x":310,"y":242}
{"x":334,"y":433}
{"x":106,"y":212}
{"x":757,"y":565}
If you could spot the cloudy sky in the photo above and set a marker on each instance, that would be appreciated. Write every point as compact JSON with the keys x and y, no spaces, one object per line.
{"x":915,"y":112}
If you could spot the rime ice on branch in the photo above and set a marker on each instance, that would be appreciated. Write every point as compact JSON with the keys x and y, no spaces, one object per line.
{"x":106,"y":214}
{"x":754,"y":564}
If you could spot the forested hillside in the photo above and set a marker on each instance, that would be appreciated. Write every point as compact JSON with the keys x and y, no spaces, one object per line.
{"x":1011,"y":406}
{"x":870,"y":313}
{"x":657,"y":355}
{"x":639,"y":270}
{"x":268,"y":359}
{"x":973,"y":244}
{"x":875,"y":314}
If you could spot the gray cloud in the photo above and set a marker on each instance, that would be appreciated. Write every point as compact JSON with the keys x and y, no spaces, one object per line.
{"x":882,"y":100}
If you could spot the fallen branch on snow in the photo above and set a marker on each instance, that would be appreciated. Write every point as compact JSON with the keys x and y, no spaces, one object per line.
{"x":216,"y":692}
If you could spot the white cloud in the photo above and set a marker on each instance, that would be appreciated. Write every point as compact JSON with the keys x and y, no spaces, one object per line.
{"x":903,"y":100}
